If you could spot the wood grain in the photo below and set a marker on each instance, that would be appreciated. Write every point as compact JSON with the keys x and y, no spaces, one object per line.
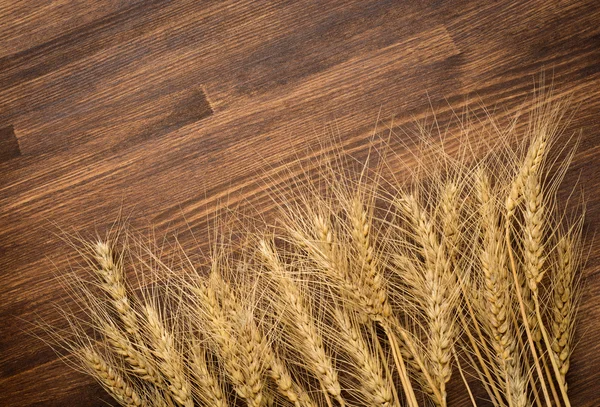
{"x":177,"y":110}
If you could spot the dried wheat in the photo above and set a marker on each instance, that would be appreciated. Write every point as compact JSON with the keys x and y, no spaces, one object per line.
{"x":170,"y":360}
{"x":298,"y":317}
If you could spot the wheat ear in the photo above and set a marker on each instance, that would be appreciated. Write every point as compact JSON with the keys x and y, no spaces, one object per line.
{"x":496,"y":301}
{"x":286,"y":386}
{"x":140,"y":364}
{"x":253,"y":344}
{"x":366,"y":291}
{"x":435,"y":288}
{"x":534,"y":263}
{"x":367,"y":367}
{"x":111,"y":274}
{"x":533,"y":230}
{"x":533,"y":160}
{"x":373,"y":290}
{"x":564,"y":303}
{"x":209,"y":389}
{"x":129,"y":345}
{"x":371,"y":278}
{"x":215,"y":323}
{"x":299,"y":318}
{"x":230,"y":342}
{"x":114,"y":383}
{"x":170,"y":360}
{"x":263,"y":353}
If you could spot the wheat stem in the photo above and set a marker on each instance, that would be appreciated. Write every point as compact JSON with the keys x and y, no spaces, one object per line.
{"x":464,"y":379}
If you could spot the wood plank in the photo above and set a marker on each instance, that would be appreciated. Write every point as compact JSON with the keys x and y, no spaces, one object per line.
{"x":178,"y":110}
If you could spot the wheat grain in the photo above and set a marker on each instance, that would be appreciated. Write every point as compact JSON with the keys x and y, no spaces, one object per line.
{"x":205,"y":305}
{"x":534,"y":264}
{"x":263,"y":353}
{"x":371,"y":279}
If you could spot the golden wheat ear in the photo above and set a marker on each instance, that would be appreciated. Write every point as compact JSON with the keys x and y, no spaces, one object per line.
{"x":245,"y":309}
{"x":120,"y":388}
{"x":566,"y":293}
{"x":170,"y":359}
{"x":225,"y":340}
{"x":494,"y":303}
{"x":299,"y":322}
{"x":358,"y":354}
{"x":207,"y":388}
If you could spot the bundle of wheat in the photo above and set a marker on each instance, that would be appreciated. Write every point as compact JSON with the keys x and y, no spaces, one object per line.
{"x":370,"y":293}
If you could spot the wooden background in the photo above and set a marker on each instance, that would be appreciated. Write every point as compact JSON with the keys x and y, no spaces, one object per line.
{"x":173,"y":109}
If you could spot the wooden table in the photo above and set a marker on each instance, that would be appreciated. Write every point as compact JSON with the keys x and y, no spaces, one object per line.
{"x":174,"y":110}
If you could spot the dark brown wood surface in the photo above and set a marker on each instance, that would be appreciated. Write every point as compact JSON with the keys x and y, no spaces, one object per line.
{"x":173,"y":110}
